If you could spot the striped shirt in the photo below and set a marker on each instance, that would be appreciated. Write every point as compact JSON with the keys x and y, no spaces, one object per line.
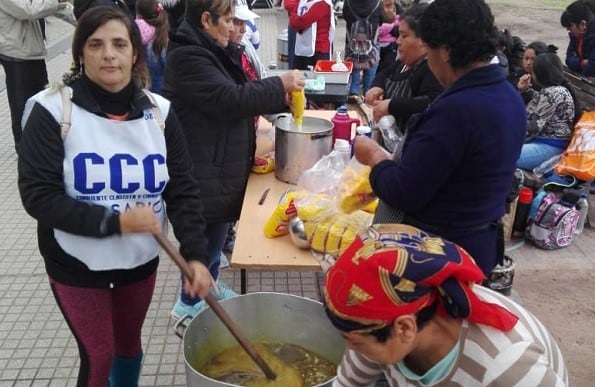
{"x":526,"y":356}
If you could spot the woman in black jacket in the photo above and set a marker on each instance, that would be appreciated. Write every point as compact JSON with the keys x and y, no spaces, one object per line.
{"x":408,"y":86}
{"x":216,"y":105}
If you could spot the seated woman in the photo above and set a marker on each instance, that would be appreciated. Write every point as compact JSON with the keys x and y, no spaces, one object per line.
{"x":551,"y":113}
{"x":521,"y":79}
{"x":407,"y":86}
{"x":580,"y":54}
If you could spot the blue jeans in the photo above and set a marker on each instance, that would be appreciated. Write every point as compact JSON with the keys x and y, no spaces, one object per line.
{"x":216,"y":234}
{"x":534,"y":153}
{"x":367,"y":79}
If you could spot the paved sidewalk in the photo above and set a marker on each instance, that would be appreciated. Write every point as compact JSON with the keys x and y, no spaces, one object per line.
{"x":36,"y":346}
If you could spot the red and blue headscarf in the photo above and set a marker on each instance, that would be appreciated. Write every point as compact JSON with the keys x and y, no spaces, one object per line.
{"x":393,"y":269}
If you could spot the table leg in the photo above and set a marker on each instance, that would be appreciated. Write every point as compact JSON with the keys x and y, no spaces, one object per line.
{"x":242,"y":281}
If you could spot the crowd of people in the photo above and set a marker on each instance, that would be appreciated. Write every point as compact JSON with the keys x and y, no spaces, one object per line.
{"x":163,"y":105}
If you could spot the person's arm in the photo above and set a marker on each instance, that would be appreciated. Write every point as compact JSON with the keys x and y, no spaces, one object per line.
{"x":198,"y":81}
{"x":588,"y":65}
{"x":66,"y":13}
{"x":412,"y":183}
{"x":41,"y":184}
{"x":290,"y":5}
{"x":27,"y":10}
{"x":317,"y":12}
{"x":355,"y":370}
{"x":182,"y":196}
{"x":573,"y":61}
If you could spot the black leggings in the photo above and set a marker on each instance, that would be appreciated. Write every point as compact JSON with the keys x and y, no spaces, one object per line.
{"x":105,"y":323}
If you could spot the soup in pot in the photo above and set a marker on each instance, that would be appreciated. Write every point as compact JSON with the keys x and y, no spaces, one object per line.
{"x":294,"y":366}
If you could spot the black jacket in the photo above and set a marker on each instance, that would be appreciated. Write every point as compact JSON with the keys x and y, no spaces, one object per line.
{"x":40,"y":169}
{"x":216,"y":105}
{"x":423,"y":84}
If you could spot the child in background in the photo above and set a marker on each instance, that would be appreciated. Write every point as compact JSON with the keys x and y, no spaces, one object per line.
{"x":153,"y":24}
{"x":578,"y":19}
{"x":388,"y":32}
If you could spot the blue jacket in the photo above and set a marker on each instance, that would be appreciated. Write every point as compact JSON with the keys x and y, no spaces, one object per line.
{"x":573,"y":60}
{"x":458,"y":160}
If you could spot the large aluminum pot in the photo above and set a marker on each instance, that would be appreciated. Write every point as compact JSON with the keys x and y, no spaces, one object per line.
{"x":297,"y":150}
{"x":276,"y":317}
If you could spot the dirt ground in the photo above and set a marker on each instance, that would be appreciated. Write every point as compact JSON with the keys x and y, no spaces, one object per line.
{"x":560,"y":292}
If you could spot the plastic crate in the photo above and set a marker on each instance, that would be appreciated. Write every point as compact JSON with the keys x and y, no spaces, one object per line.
{"x":324,"y":68}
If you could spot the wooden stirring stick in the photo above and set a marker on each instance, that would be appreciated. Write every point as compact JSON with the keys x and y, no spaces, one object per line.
{"x":219,"y":311}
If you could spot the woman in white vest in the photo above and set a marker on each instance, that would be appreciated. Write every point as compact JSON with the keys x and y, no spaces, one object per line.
{"x":97,"y":179}
{"x":315,"y":25}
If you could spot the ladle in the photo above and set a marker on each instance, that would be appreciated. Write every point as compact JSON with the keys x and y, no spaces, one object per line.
{"x":219,"y":311}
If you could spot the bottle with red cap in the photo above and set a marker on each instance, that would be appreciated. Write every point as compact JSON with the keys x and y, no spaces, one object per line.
{"x":522,"y":210}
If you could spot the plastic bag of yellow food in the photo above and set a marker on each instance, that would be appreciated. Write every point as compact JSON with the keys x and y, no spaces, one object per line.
{"x":278,"y":222}
{"x":355,"y":191}
{"x":334,"y":234}
{"x":263,"y":164}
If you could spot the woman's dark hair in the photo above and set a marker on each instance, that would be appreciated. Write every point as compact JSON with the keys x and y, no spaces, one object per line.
{"x":464,"y":27}
{"x":153,"y":13}
{"x":421,"y":319}
{"x":195,"y":9}
{"x":575,"y":13}
{"x":412,"y":17}
{"x":541,"y":48}
{"x":549,"y":72}
{"x":504,"y":40}
{"x":88,"y":23}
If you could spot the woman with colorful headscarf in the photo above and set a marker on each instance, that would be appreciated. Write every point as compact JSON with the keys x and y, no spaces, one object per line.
{"x":410,"y":308}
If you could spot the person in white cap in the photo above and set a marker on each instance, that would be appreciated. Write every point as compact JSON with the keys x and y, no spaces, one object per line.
{"x":241,"y":35}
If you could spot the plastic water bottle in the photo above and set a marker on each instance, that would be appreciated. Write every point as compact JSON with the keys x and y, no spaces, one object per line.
{"x":390,"y":133}
{"x":344,"y":149}
{"x":342,"y":124}
{"x":583,"y":208}
{"x":363,"y":131}
{"x":547,"y":166}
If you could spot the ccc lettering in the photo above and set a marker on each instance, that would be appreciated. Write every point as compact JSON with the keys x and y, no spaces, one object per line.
{"x":119,"y":166}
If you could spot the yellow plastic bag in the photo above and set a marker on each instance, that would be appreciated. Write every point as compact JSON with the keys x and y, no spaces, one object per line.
{"x":278,"y":222}
{"x":355,"y":191}
{"x":579,"y":158}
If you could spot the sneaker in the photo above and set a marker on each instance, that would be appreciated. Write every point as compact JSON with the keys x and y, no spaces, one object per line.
{"x":223,"y":261}
{"x":181,"y":309}
{"x":224,"y":291}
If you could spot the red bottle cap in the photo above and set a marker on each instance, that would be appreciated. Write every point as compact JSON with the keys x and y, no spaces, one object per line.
{"x":525,"y":195}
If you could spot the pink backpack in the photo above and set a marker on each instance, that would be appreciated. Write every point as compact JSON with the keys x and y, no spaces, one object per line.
{"x":554,"y":223}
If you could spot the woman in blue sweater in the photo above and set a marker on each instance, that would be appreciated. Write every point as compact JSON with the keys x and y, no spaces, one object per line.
{"x":454,"y":170}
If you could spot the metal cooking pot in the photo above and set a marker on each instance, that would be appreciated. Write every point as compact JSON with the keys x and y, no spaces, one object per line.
{"x":276,"y":317}
{"x":298,"y":150}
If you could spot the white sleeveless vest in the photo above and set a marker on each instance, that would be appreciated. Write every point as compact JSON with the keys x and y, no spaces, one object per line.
{"x":116,"y":164}
{"x":305,"y":41}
